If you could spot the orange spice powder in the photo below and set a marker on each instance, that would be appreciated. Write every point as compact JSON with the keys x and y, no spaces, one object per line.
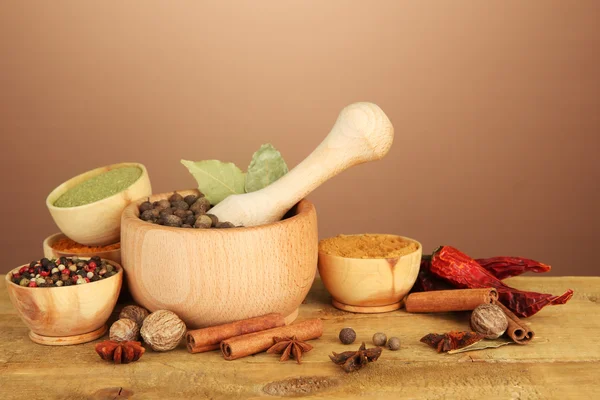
{"x":70,"y":246}
{"x":367,"y":246}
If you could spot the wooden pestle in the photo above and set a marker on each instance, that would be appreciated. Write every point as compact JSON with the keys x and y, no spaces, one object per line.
{"x":361,"y":133}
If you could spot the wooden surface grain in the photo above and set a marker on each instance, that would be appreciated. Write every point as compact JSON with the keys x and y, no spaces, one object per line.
{"x":561,"y":362}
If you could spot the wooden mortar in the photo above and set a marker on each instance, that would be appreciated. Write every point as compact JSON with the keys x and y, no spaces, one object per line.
{"x":215,"y":276}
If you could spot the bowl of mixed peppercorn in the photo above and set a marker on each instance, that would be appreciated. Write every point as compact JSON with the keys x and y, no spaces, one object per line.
{"x":66,"y":300}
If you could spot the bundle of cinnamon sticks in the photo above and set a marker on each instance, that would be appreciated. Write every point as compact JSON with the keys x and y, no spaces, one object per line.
{"x":250,"y":336}
{"x":467,"y":300}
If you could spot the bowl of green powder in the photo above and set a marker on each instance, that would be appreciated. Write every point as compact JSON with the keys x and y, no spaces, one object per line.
{"x":87,"y":208}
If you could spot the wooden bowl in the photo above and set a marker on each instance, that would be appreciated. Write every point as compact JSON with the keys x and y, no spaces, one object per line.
{"x":215,"y":276}
{"x":371,"y":285}
{"x":50,"y":252}
{"x":66,"y":315}
{"x":98,"y":223}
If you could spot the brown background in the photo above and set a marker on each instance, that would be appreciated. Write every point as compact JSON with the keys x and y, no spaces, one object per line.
{"x":495,"y":105}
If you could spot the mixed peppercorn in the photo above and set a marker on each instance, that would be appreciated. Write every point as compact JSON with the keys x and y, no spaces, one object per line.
{"x":63,"y":271}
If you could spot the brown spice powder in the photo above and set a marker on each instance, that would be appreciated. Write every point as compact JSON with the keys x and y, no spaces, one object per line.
{"x":367,"y":246}
{"x":70,"y":246}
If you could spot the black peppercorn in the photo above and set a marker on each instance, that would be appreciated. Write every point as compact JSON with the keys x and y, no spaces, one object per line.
{"x":190,"y":220}
{"x":165,"y":212}
{"x":145,"y":206}
{"x":213,"y":218}
{"x":32,"y":264}
{"x":162,"y":204}
{"x":181,"y":213}
{"x":379,"y":339}
{"x":180,"y":204}
{"x":393,"y":343}
{"x":201,"y":206}
{"x":186,"y":226}
{"x":175,"y":197}
{"x":44,"y":261}
{"x":190,"y":199}
{"x":347,"y":336}
{"x":223,"y":225}
{"x":171,"y":220}
{"x":203,"y":222}
{"x":147,"y":215}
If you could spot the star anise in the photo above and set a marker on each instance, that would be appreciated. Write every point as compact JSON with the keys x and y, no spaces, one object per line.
{"x":451,"y":340}
{"x":354,"y":360}
{"x":120,"y":352}
{"x":289,"y":347}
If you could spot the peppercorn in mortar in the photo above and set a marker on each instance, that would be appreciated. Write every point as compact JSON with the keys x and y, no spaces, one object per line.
{"x":181,"y":212}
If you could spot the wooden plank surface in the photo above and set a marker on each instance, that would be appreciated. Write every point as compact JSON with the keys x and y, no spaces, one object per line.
{"x":562,"y":361}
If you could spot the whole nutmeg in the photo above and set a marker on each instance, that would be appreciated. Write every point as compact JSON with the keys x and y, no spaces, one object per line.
{"x":124,"y":330}
{"x":379,"y":339}
{"x":134,"y":313}
{"x":347,"y":336}
{"x":489,"y":320}
{"x":163,"y":330}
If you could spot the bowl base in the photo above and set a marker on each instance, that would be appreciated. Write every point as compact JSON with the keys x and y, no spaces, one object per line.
{"x":67,"y":340}
{"x":367,"y":309}
{"x":291,"y":318}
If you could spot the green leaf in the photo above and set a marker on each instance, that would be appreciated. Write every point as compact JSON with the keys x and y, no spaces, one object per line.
{"x":216,"y":179}
{"x":266,"y":167}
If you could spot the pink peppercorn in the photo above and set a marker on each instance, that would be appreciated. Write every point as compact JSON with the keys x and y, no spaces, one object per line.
{"x":32,"y":284}
{"x":22,"y":270}
{"x":44,"y":273}
{"x":87,"y":280}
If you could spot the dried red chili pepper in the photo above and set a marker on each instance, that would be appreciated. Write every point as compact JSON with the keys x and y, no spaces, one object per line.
{"x":464,"y":272}
{"x":426,"y":281}
{"x":505,"y":267}
{"x":451,"y":340}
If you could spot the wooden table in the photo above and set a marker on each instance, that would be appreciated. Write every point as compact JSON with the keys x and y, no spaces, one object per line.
{"x":562,"y":362}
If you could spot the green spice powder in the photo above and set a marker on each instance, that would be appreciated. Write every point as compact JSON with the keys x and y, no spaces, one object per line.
{"x":99,"y":187}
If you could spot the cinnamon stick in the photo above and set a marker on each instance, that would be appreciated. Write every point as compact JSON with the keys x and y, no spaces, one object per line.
{"x":449,"y":300}
{"x":252,"y":343}
{"x":517,"y":330}
{"x":207,"y":339}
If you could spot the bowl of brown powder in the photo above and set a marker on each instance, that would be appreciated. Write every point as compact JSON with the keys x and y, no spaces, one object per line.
{"x":369,"y":273}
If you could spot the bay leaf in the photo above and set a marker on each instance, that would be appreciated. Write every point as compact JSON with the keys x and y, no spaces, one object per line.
{"x":216,"y":179}
{"x":266,"y":167}
{"x":483,"y":344}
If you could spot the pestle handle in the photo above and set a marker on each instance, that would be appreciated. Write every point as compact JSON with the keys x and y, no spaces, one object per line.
{"x":361,"y":133}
